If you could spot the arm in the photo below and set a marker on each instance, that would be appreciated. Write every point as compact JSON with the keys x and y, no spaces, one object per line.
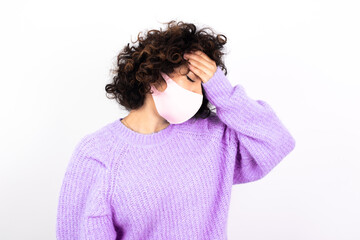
{"x":83,"y":174}
{"x":252,"y":131}
{"x":96,"y":222}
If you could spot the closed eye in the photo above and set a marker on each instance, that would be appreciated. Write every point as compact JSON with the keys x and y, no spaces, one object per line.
{"x":189,"y":79}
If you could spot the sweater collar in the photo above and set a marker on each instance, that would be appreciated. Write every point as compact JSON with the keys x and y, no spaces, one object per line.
{"x":135,"y":138}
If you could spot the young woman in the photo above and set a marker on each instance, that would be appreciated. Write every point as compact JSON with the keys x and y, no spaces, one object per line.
{"x":165,"y":171}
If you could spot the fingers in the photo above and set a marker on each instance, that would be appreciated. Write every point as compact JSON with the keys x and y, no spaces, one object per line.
{"x":198,"y":57}
{"x":197,"y":62}
{"x":203,"y":55}
{"x":200,"y":64}
{"x":202,"y":73}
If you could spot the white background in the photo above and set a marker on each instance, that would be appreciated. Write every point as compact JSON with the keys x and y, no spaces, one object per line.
{"x":302,"y":57}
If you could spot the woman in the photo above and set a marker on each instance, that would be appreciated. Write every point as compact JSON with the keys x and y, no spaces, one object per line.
{"x":165,"y":171}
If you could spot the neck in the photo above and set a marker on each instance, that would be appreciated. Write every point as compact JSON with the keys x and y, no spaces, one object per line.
{"x":145,"y":120}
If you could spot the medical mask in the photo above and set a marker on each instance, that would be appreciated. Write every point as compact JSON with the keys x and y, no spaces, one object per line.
{"x":176,"y":104}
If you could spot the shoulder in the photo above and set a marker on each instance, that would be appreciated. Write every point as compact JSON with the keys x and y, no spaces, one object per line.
{"x":96,"y":145}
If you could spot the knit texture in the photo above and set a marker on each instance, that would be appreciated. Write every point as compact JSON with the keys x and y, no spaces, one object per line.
{"x":175,"y":183}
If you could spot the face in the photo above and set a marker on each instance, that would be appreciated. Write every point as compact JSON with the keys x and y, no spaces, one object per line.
{"x":185,"y":78}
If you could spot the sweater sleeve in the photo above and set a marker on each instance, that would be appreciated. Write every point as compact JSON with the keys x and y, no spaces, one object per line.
{"x":252,"y":132}
{"x":84,"y":175}
{"x":96,"y":222}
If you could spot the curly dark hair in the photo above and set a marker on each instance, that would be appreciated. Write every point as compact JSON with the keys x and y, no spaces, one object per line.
{"x":139,"y":66}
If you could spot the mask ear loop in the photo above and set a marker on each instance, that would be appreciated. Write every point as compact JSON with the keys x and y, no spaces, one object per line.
{"x":166,"y":78}
{"x":153,"y":88}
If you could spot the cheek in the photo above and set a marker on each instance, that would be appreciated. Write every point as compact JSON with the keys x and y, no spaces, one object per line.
{"x":194,"y":87}
{"x":198,"y":89}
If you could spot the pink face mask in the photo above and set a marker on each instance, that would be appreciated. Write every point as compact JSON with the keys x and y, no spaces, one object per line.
{"x":176,"y":104}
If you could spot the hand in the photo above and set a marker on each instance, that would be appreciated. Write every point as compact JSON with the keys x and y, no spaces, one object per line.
{"x":201,"y":65}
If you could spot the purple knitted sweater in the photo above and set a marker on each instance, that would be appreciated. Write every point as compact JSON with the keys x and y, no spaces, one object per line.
{"x":175,"y":183}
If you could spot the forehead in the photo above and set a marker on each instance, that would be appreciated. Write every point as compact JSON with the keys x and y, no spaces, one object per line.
{"x":181,"y":70}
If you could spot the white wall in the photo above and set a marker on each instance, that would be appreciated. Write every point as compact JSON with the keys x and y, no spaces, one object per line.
{"x":302,"y":57}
